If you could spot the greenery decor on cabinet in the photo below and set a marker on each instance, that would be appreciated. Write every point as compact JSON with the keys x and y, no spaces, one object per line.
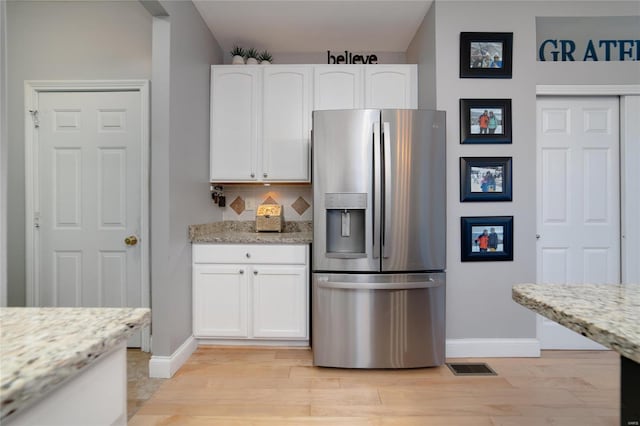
{"x":252,"y":56}
{"x":238,"y":55}
{"x":265,"y":57}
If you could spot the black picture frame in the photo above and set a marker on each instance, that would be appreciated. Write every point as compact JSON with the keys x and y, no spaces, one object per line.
{"x":485,"y":179}
{"x":471,"y":246}
{"x":486,"y":55}
{"x":475,"y":131}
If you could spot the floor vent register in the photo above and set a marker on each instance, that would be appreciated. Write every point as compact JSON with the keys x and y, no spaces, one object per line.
{"x":471,"y":369}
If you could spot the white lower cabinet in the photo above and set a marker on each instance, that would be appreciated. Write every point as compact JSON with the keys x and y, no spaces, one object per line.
{"x":259,"y":293}
{"x":279,"y":301}
{"x":220,"y":300}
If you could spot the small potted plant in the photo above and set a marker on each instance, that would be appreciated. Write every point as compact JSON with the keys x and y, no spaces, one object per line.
{"x":238,"y":55}
{"x":265,"y":58}
{"x":252,"y":56}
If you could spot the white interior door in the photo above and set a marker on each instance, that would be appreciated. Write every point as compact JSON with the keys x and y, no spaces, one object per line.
{"x":578,"y":200}
{"x":88,"y":190}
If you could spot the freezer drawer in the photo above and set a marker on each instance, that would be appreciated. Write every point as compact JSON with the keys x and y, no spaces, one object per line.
{"x":378,"y":320}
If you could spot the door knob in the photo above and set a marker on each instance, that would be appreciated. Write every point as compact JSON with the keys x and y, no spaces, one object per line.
{"x":131,"y":240}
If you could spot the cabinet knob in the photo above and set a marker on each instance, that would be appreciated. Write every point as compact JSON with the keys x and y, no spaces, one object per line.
{"x":241,"y":271}
{"x":253,"y":175}
{"x":264,"y":175}
{"x":248,"y":255}
{"x":255,"y":272}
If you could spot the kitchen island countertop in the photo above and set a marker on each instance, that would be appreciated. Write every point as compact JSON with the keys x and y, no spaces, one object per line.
{"x":41,"y":348}
{"x":608,"y":314}
{"x":243,"y":232}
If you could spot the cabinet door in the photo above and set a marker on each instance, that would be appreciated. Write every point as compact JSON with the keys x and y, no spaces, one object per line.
{"x":234,"y":123}
{"x":220,"y":301}
{"x":391,"y":86}
{"x":286,"y":123}
{"x":338,"y":87}
{"x":280,"y":301}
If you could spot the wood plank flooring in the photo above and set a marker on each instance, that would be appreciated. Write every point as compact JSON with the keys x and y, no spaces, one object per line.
{"x":257,"y":386}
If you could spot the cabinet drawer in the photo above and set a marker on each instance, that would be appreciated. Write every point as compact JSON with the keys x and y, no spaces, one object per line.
{"x":249,"y":253}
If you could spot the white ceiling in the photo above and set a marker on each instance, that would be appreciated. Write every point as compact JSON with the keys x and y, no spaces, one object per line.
{"x":304,"y":26}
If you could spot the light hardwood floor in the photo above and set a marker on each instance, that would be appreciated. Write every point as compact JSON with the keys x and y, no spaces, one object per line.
{"x":253,"y":386}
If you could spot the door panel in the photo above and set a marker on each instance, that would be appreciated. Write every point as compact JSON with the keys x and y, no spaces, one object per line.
{"x":391,"y":86}
{"x":286,"y":124}
{"x":235,"y":98}
{"x":279,"y":301}
{"x":578,"y":200}
{"x":378,"y":320}
{"x":89,"y":186}
{"x":220,"y":301}
{"x":414,"y":184}
{"x":343,"y":161}
{"x":337,"y":87}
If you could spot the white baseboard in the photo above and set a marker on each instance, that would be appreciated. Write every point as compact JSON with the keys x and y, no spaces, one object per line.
{"x":492,"y":348}
{"x":253,"y":342}
{"x":166,"y":366}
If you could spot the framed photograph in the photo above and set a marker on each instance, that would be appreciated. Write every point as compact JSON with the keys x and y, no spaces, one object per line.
{"x":485,"y":179}
{"x":485,"y":121}
{"x":485,"y":239}
{"x":485,"y":55}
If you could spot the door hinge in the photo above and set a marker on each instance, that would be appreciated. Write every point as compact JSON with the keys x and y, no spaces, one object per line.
{"x":34,"y":116}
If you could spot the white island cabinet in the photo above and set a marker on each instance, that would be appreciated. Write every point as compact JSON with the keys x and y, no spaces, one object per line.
{"x":65,"y":366}
{"x":251,"y":294}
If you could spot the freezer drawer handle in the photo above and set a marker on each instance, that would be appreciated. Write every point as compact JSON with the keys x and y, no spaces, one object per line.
{"x":429,"y":283}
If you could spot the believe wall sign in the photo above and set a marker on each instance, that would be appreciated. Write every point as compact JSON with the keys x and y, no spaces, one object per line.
{"x":602,"y":38}
{"x":350,"y":58}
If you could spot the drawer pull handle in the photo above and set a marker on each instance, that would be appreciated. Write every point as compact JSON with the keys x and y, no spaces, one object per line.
{"x":241,"y":271}
{"x":255,"y":272}
{"x":248,"y":255}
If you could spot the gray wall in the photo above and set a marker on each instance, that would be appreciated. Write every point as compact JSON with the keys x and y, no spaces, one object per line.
{"x":422,"y":51}
{"x":479,"y":301}
{"x":3,"y":154}
{"x":183,"y":50}
{"x":62,"y":41}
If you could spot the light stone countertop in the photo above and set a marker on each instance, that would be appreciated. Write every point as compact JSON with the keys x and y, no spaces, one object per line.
{"x":41,"y":348}
{"x":244,"y":232}
{"x":607,"y":314}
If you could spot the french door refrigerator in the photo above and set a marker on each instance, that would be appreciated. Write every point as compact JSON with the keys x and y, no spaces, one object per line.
{"x":378,"y":292}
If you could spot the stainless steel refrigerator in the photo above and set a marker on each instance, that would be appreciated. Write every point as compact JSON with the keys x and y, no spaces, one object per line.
{"x":379,"y":218}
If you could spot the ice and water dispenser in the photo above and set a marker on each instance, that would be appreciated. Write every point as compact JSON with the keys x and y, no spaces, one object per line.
{"x":345,"y":216}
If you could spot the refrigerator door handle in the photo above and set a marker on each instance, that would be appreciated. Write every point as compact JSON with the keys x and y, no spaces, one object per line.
{"x":428,"y":283}
{"x":388,"y":184}
{"x":377,"y":202}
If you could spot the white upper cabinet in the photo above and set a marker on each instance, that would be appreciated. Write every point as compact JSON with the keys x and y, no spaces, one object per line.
{"x":391,"y":86}
{"x":235,"y":99}
{"x":260,"y":123}
{"x":338,"y":87}
{"x":286,"y":123}
{"x":261,"y":115}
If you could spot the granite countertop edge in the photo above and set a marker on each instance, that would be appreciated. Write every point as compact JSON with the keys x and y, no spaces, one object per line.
{"x":609,"y":314}
{"x":243,"y":232}
{"x":43,"y":348}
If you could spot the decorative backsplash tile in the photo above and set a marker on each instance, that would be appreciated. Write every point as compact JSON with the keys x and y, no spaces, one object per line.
{"x":269,"y":200}
{"x":296,"y":201}
{"x":237,"y":205}
{"x":300,"y":205}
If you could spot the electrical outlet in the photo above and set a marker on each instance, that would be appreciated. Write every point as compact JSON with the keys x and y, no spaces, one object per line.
{"x":250,"y":203}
